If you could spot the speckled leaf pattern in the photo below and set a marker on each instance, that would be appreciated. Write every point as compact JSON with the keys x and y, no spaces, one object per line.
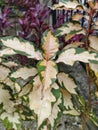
{"x":48,"y":72}
{"x":67,"y":81}
{"x":21,"y":46}
{"x":50,"y":45}
{"x":71,"y":55}
{"x":39,"y":102}
{"x":24,"y":73}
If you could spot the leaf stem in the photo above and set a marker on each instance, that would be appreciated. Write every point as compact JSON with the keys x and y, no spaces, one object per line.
{"x":89,"y":104}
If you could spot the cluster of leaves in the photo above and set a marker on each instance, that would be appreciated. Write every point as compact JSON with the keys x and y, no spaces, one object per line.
{"x":40,"y":91}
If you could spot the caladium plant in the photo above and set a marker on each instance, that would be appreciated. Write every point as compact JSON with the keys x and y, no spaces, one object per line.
{"x":40,"y":90}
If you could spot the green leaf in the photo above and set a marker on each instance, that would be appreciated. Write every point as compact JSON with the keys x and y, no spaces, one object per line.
{"x":21,"y":46}
{"x":11,"y":120}
{"x":93,"y":118}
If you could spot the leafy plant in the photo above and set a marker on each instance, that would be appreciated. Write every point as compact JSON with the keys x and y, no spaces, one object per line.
{"x":39,"y":90}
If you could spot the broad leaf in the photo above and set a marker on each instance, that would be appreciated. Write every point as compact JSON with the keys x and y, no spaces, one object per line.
{"x":69,"y":28}
{"x":21,"y":46}
{"x":68,"y":82}
{"x":71,"y":55}
{"x":24,"y":73}
{"x":39,"y":102}
{"x":50,"y":45}
{"x":48,"y":72}
{"x":4,"y":72}
{"x":93,"y":42}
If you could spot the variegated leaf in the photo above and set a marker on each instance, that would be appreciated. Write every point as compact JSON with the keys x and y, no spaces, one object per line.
{"x":13,"y":119}
{"x":93,"y":42}
{"x":68,"y":104}
{"x":65,"y":5}
{"x":9,"y":82}
{"x":7,"y":51}
{"x":4,"y":72}
{"x":10,"y":64}
{"x":67,"y":81}
{"x":48,"y":72}
{"x":39,"y":102}
{"x":71,"y":55}
{"x":69,"y":28}
{"x":24,"y":73}
{"x":22,"y":47}
{"x":5,"y":97}
{"x":73,"y":45}
{"x":25,"y":90}
{"x":55,"y":111}
{"x":50,"y":45}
